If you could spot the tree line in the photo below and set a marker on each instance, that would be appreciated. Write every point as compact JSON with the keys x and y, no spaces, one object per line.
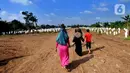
{"x":117,"y":24}
{"x":31,"y":24}
{"x":15,"y":25}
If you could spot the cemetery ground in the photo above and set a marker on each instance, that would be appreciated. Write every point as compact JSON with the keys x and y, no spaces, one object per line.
{"x":35,"y":53}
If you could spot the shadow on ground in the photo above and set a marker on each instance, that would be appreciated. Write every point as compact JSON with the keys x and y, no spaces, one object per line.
{"x":92,"y":50}
{"x":5,"y":61}
{"x":76,"y":63}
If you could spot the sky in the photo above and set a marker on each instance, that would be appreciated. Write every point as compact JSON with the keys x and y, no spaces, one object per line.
{"x":63,"y":11}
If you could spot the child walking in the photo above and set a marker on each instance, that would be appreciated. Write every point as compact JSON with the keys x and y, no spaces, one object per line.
{"x":88,"y":37}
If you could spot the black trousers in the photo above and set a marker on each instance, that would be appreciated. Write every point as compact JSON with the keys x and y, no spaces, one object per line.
{"x":78,"y":50}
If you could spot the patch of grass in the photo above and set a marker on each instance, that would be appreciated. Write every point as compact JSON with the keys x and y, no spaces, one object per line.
{"x":128,"y":38}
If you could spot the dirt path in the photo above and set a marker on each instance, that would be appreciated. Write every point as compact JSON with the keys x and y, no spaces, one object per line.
{"x":110,"y":55}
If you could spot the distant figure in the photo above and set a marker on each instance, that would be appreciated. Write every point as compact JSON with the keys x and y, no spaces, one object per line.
{"x":62,"y":45}
{"x":77,"y":41}
{"x":88,"y":37}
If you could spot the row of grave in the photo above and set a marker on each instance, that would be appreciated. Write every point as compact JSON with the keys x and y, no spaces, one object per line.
{"x":34,"y":30}
{"x":108,"y":31}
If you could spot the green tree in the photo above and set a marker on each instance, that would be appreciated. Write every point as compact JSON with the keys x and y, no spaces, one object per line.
{"x":16,"y":25}
{"x":27,"y":19}
{"x":4,"y":27}
{"x":96,"y":25}
{"x":31,"y":20}
{"x":117,"y":24}
{"x":34,"y":21}
{"x":106,"y":24}
{"x":43,"y":26}
{"x":127,"y":20}
{"x":48,"y":26}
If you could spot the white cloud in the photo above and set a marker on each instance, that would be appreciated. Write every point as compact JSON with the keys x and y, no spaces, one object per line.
{"x":11,"y":16}
{"x":73,"y":18}
{"x":3,"y":13}
{"x":81,"y":12}
{"x":49,"y":20}
{"x":67,"y":18}
{"x":98,"y":18}
{"x":102,"y":9}
{"x":93,"y":5}
{"x":89,"y":12}
{"x":23,"y":2}
{"x":46,"y":14}
{"x":50,"y":14}
{"x":54,"y":1}
{"x":30,"y":2}
{"x":15,"y":16}
{"x":100,"y":5}
{"x":86,"y":11}
{"x":103,"y":4}
{"x":56,"y":9}
{"x":20,"y":12}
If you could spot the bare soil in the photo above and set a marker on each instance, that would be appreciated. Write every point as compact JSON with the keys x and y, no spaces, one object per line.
{"x":35,"y":53}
